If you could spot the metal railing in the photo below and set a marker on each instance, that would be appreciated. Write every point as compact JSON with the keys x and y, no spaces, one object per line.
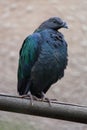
{"x":63,"y":111}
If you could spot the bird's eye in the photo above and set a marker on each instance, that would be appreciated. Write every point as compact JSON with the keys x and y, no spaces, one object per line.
{"x":54,"y":21}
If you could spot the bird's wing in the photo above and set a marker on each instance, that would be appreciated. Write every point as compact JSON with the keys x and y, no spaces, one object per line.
{"x":28,"y":55}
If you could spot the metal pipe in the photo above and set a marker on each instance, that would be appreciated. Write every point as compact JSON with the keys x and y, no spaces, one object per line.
{"x":63,"y":111}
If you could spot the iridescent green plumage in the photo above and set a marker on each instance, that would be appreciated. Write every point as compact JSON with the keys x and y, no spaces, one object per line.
{"x":28,"y":56}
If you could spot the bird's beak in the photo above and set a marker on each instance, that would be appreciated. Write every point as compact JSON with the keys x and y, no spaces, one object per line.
{"x":65,"y":25}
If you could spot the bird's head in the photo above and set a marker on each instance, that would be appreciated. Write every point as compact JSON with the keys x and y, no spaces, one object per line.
{"x":54,"y":23}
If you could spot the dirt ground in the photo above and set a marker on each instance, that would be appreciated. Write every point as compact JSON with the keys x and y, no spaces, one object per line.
{"x":19,"y":18}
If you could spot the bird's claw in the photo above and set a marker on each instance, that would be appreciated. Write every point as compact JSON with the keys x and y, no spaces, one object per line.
{"x":45,"y":99}
{"x":32,"y":98}
{"x":29,"y":96}
{"x":48,"y":100}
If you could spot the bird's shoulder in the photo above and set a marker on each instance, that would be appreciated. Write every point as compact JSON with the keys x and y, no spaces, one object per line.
{"x":28,"y":55}
{"x":31,"y":42}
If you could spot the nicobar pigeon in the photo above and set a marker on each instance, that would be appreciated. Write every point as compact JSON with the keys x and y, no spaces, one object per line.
{"x":42,"y":58}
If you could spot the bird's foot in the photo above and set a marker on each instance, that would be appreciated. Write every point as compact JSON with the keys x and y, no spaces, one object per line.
{"x":45,"y":99}
{"x":29,"y":96}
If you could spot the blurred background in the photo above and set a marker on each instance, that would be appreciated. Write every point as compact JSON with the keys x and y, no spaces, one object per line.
{"x":18,"y":19}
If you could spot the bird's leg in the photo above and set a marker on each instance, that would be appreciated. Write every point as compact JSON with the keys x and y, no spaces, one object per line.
{"x":29,"y":96}
{"x":45,"y":98}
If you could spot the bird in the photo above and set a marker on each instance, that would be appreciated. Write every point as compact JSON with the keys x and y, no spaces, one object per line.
{"x":43,"y":58}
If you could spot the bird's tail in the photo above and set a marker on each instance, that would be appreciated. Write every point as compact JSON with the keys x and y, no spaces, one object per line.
{"x":23,"y":87}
